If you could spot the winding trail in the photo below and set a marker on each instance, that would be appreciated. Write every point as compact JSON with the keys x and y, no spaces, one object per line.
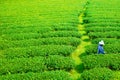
{"x":79,"y":50}
{"x":116,"y":75}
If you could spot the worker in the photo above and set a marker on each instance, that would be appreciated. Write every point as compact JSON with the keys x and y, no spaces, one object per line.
{"x":100,"y":47}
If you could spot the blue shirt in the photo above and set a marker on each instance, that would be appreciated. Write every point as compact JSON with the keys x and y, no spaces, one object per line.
{"x":100,"y":49}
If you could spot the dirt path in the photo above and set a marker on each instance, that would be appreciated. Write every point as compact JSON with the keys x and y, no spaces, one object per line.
{"x":79,"y":50}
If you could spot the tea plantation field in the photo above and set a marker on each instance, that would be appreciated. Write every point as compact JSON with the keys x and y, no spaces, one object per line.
{"x":37,"y":38}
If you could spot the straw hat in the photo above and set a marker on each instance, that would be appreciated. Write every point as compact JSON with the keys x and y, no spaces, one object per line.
{"x":101,"y":42}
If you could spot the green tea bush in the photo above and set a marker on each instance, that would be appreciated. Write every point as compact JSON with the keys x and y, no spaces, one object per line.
{"x":64,"y":28}
{"x":28,"y":29}
{"x":96,"y":19}
{"x":21,"y":36}
{"x":60,"y":62}
{"x":101,"y":29}
{"x":103,"y":24}
{"x":108,"y":48}
{"x":43,"y":50}
{"x":35,"y":64}
{"x":111,"y":34}
{"x":94,"y":13}
{"x":20,"y":65}
{"x":97,"y":74}
{"x":111,"y":61}
{"x":62,"y":34}
{"x":73,"y":41}
{"x":106,"y":40}
{"x":48,"y":75}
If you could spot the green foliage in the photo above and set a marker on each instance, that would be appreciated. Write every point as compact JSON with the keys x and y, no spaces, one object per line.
{"x":23,"y":26}
{"x":27,"y":29}
{"x":108,"y":48}
{"x":72,"y":41}
{"x":21,"y":36}
{"x":102,"y":24}
{"x":90,"y":18}
{"x":111,"y":34}
{"x":33,"y":13}
{"x":48,"y":75}
{"x":59,"y":62}
{"x":20,"y":65}
{"x":96,"y":9}
{"x":97,"y":74}
{"x":111,"y":61}
{"x":36,"y":29}
{"x":35,"y":64}
{"x":106,"y":40}
{"x":43,"y":50}
{"x":101,"y":29}
{"x":62,"y":34}
{"x":64,"y":28}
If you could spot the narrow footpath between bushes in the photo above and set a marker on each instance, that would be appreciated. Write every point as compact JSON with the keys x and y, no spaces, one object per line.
{"x":79,"y":50}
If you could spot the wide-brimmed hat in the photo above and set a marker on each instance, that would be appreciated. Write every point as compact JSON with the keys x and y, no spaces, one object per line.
{"x":101,"y":42}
